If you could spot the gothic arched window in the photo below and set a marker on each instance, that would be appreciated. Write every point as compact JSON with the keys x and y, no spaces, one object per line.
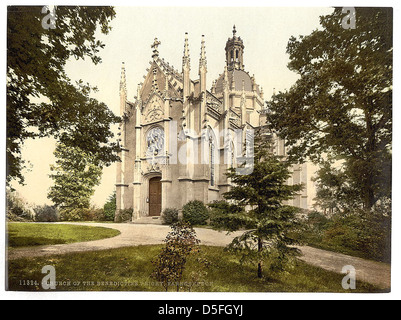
{"x":212,"y":156}
{"x":212,"y":161}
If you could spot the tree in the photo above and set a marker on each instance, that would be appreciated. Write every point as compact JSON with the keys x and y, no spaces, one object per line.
{"x":256,"y":203}
{"x":341,"y":105}
{"x":334,"y":192}
{"x":41,"y":100}
{"x":110,"y":207}
{"x":76,"y":173}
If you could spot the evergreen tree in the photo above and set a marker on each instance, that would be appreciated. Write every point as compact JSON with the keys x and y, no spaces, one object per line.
{"x":256,"y":204}
{"x":110,"y":207}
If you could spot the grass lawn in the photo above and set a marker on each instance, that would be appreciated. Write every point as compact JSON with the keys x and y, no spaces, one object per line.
{"x":129,"y":269}
{"x":36,"y":234}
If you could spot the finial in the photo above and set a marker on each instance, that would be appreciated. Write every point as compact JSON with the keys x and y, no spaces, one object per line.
{"x":186,"y":59}
{"x":154,"y":46}
{"x":234,"y":31}
{"x":186,"y":46}
{"x":202,"y":60}
{"x":138,"y":91}
{"x":123,"y":82}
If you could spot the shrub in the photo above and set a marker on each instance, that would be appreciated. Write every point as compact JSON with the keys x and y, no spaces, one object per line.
{"x":169,"y":265}
{"x":124,"y":215}
{"x":110,"y":207}
{"x":195,"y":212}
{"x":46,"y":213}
{"x":17,"y":208}
{"x":82,"y":214}
{"x":68,"y":214}
{"x":169,"y":216}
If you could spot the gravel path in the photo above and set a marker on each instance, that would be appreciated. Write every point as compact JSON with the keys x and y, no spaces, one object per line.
{"x":373,"y":272}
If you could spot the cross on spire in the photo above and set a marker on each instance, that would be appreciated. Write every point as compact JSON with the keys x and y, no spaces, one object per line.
{"x":154,"y":46}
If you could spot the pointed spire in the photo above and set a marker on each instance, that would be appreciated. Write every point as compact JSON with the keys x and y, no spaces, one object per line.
{"x":123,"y":80}
{"x":138,"y":92}
{"x":225,"y":81}
{"x":213,"y":90}
{"x":202,"y":60}
{"x":186,"y":59}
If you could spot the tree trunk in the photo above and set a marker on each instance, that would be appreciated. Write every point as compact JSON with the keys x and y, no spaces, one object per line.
{"x":260,"y":274}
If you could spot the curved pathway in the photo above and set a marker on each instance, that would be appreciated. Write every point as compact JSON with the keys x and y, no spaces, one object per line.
{"x":376,"y":273}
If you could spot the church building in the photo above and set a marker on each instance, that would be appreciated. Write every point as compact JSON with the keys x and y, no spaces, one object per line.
{"x":179,"y":137}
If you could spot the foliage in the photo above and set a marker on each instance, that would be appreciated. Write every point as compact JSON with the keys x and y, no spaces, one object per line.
{"x":364,"y":233}
{"x":256,"y":205}
{"x":41,"y":100}
{"x":170,"y":264}
{"x":124,"y":215}
{"x":110,"y":207}
{"x":169,"y":216}
{"x":17,"y":208}
{"x":341,"y":105}
{"x":82,"y":214}
{"x":76,"y":173}
{"x":195,"y":212}
{"x":46,"y":213}
{"x":335,"y":193}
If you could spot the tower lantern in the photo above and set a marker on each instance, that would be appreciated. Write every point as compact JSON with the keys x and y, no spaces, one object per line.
{"x":235,"y":52}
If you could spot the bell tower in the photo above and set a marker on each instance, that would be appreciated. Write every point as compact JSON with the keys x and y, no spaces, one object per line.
{"x":235,"y":52}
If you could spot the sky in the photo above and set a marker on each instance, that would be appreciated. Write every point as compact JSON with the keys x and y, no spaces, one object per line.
{"x":264,"y":30}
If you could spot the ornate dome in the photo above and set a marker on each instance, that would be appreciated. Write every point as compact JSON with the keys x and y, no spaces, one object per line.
{"x":238,"y":76}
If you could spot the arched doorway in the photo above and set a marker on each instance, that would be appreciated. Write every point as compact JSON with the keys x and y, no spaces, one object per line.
{"x":155,"y":196}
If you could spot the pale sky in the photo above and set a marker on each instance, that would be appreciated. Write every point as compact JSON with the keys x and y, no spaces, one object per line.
{"x":265,"y":32}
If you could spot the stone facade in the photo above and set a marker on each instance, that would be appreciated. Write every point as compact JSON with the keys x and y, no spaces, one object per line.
{"x":178,"y":138}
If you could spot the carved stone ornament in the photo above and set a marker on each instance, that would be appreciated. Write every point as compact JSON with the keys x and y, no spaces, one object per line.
{"x":154,"y":109}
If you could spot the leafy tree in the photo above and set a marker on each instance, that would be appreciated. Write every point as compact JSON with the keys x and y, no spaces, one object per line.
{"x":256,"y":204}
{"x":41,"y":99}
{"x":17,"y":208}
{"x":76,"y":173}
{"x":342,"y":103}
{"x":334,"y":192}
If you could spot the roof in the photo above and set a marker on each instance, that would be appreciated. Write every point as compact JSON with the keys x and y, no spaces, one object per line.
{"x":239,"y":76}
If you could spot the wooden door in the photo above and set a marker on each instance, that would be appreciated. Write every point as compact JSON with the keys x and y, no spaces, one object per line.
{"x":155,"y":196}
